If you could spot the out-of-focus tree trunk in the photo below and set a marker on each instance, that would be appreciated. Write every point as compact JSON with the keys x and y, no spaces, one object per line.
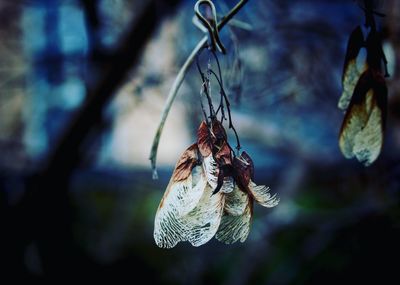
{"x":45,"y":211}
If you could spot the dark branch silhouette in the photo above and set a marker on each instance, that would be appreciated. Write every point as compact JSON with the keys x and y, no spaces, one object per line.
{"x":44,"y":215}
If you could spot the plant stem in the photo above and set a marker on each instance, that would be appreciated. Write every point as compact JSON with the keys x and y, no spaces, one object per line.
{"x":178,"y":82}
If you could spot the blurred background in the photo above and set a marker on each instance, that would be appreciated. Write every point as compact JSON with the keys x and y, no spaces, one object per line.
{"x":82,"y":87}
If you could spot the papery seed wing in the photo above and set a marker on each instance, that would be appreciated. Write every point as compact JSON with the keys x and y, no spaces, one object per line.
{"x":262,"y":195}
{"x":354,"y":45}
{"x":168,"y":228}
{"x":223,"y":156}
{"x":225,"y":182}
{"x":186,"y":162}
{"x":351,"y":71}
{"x":354,"y":121}
{"x":363,"y":127}
{"x":209,"y":164}
{"x":369,"y":141}
{"x":250,"y":164}
{"x":203,"y":221}
{"x":351,"y":76}
{"x":236,"y":202}
{"x":243,"y":170}
{"x":208,"y":139}
{"x":189,"y":199}
{"x":228,"y":185}
{"x":181,"y":196}
{"x":187,"y":182}
{"x":211,"y":171}
{"x":235,"y":228}
{"x":204,"y":141}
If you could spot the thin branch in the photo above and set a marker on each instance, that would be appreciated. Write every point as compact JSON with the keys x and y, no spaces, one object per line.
{"x":178,"y":82}
{"x":205,"y":88}
{"x":228,"y":107}
{"x":202,"y":88}
{"x":221,"y":85}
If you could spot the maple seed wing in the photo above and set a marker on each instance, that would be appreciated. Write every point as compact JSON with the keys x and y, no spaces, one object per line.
{"x":262,"y":195}
{"x":203,"y":140}
{"x":369,"y":141}
{"x":203,"y":221}
{"x":189,"y":199}
{"x":223,"y":158}
{"x":351,"y":72}
{"x":235,"y":228}
{"x":351,"y":76}
{"x":236,"y":202}
{"x":181,"y":196}
{"x":168,"y":228}
{"x":228,"y":185}
{"x":243,"y":171}
{"x":363,"y":127}
{"x":179,"y":199}
{"x":250,"y":164}
{"x":186,"y":162}
{"x":211,"y":171}
{"x":354,"y":45}
{"x":355,"y":117}
{"x":186,"y":195}
{"x":225,"y":183}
